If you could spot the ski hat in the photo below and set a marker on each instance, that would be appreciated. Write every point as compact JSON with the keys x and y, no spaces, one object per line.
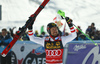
{"x":50,"y":25}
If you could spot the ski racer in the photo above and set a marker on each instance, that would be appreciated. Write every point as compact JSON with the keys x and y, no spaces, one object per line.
{"x":54,"y":43}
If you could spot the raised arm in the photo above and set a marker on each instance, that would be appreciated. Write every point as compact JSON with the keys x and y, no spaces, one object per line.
{"x":37,"y":40}
{"x":73,"y":35}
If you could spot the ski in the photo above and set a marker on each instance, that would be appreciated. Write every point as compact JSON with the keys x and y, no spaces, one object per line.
{"x":24,"y":28}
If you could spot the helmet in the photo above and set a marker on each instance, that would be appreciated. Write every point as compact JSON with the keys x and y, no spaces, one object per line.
{"x":50,"y":25}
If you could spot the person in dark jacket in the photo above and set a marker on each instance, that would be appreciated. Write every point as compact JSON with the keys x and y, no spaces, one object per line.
{"x":5,"y":39}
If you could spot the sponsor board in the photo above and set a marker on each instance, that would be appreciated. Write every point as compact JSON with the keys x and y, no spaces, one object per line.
{"x":28,"y":53}
{"x":83,"y":54}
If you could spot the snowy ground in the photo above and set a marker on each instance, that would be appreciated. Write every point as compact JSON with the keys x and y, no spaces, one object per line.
{"x":16,"y":12}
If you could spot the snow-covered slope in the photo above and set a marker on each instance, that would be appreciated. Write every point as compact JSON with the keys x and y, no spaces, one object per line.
{"x":16,"y":12}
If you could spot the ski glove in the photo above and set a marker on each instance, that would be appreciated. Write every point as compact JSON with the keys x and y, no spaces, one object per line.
{"x":69,"y":21}
{"x":30,"y":27}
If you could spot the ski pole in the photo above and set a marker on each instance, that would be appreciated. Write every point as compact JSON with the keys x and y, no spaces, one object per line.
{"x":61,"y":13}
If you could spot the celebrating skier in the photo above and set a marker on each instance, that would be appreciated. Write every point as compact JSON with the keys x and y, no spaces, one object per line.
{"x":55,"y":42}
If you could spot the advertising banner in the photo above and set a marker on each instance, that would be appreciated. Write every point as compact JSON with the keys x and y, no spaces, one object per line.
{"x":27,"y":52}
{"x":83,"y":54}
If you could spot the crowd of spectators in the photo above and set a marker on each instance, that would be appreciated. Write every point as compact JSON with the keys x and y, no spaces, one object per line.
{"x":91,"y":32}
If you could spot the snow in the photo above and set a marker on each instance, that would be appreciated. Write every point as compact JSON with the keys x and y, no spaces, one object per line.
{"x":16,"y":12}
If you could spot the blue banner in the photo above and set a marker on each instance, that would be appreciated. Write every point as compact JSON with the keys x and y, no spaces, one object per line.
{"x":79,"y":53}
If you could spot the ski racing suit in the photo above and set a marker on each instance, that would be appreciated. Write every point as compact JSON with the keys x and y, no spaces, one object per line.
{"x":53,"y":46}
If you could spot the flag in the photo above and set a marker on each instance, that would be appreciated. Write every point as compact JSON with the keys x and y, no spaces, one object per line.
{"x":42,"y":29}
{"x":57,"y":20}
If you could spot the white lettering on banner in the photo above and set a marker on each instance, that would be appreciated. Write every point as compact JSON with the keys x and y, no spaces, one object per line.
{"x":96,"y":57}
{"x":78,"y":47}
{"x":53,"y":52}
{"x":53,"y":60}
{"x":38,"y":61}
{"x":44,"y":61}
{"x":34,"y":61}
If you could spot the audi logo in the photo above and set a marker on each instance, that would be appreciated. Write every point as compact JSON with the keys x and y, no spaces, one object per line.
{"x":53,"y":52}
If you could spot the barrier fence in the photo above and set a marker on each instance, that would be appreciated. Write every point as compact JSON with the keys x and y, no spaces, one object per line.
{"x":82,"y":53}
{"x":75,"y":52}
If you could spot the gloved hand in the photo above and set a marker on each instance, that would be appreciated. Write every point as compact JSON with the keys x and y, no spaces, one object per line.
{"x":30,"y":27}
{"x":69,"y":21}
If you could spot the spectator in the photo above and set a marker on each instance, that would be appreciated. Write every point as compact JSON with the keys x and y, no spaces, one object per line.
{"x":36,"y":33}
{"x":43,"y":34}
{"x":98,"y":33}
{"x":13,"y":35}
{"x":25,"y":37}
{"x":93,"y":26}
{"x":5,"y":39}
{"x":11,"y":32}
{"x":91,"y":31}
{"x":82,"y":37}
{"x":88,"y":30}
{"x":78,"y":32}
